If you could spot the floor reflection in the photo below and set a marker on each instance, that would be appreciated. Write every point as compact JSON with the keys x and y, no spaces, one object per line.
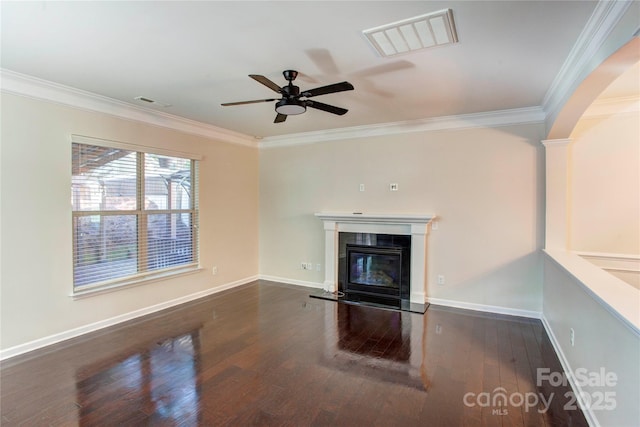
{"x":380,"y":344}
{"x":374,"y":332}
{"x":158,"y":384}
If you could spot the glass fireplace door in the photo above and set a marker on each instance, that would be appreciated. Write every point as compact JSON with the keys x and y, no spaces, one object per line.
{"x":374,"y":270}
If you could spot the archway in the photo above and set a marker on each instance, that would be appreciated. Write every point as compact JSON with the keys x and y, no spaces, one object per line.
{"x":558,"y":162}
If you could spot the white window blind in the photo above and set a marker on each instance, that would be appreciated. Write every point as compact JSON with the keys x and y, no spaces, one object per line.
{"x":134,"y":213}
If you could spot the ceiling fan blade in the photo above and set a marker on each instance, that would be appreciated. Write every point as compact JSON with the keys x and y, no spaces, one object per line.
{"x":265,"y":81}
{"x":323,"y":90}
{"x":385,"y":68}
{"x":280,"y":118}
{"x":323,"y":60}
{"x":227,"y":104}
{"x":326,"y":107}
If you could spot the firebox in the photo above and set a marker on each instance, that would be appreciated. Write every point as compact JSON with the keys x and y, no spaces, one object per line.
{"x":374,"y":268}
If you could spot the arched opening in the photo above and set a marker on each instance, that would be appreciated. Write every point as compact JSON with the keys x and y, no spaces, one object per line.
{"x":592,"y":87}
{"x":604,"y":188}
{"x":559,"y":165}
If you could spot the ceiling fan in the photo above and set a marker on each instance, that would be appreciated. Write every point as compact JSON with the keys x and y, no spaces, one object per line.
{"x":293,"y":101}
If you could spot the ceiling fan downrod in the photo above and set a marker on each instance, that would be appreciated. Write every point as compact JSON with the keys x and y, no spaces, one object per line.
{"x":290,"y":104}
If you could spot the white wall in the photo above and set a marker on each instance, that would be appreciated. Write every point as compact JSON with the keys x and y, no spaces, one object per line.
{"x":605,"y":203}
{"x":602,"y":340}
{"x":484,"y":184}
{"x":36,"y":266}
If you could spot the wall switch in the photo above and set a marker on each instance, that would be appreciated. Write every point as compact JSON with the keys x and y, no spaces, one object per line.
{"x":440,"y":279}
{"x":572,"y":336}
{"x":309,"y":266}
{"x":361,"y":187}
{"x":393,"y":187}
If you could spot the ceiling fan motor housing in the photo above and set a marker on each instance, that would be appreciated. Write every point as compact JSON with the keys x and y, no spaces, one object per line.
{"x":290,"y":104}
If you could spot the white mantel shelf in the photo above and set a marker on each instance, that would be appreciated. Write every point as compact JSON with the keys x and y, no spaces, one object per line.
{"x":383,"y":218}
{"x":415,"y":225}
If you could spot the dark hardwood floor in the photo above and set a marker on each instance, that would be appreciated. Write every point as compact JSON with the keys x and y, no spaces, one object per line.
{"x":267,"y":354}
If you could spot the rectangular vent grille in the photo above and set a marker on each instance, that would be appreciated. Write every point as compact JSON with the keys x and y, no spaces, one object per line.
{"x":421,"y":32}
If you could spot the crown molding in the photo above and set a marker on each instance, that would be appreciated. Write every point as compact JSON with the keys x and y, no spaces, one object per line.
{"x":463,"y":121}
{"x":32,"y":87}
{"x":603,"y":20}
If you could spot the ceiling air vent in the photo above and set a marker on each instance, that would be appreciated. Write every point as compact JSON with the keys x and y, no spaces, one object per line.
{"x":150,"y":101}
{"x":421,"y":32}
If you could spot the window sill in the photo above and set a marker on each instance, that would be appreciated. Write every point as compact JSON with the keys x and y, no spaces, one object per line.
{"x":118,"y":286}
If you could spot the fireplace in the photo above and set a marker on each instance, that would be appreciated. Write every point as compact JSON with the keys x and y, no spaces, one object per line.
{"x":374,"y":268}
{"x":375,"y":230}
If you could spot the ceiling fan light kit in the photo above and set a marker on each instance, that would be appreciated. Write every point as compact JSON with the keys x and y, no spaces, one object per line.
{"x":294,"y":102}
{"x":290,"y":107}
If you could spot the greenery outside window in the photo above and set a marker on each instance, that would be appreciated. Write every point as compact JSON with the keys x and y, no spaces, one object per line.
{"x":135,"y":213}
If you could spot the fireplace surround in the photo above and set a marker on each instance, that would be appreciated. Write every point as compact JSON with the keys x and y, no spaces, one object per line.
{"x":415,"y":227}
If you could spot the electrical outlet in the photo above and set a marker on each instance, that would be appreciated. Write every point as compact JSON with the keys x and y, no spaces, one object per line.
{"x":318,"y":267}
{"x":361,"y":187}
{"x":214,"y":270}
{"x":303,"y":265}
{"x":440,"y":279}
{"x":309,"y":266}
{"x":393,"y":187}
{"x":572,"y":336}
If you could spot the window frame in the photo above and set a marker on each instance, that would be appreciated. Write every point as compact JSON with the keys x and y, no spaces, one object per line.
{"x":141,"y":214}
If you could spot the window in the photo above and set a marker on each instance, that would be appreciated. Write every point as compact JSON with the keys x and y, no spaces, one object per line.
{"x":135,"y":213}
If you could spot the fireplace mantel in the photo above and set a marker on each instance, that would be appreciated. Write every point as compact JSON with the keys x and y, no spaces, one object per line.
{"x":376,"y":218}
{"x":415,"y":225}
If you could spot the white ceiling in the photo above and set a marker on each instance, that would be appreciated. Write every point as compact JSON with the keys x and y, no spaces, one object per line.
{"x":196,"y":55}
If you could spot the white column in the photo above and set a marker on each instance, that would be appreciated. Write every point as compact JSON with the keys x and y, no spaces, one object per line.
{"x":330,"y":255}
{"x":558,"y":193}
{"x":419,"y":234}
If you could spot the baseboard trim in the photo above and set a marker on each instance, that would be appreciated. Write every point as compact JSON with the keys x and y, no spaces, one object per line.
{"x":485,"y":308}
{"x":592,"y":420}
{"x":291,"y":281}
{"x":92,"y":327}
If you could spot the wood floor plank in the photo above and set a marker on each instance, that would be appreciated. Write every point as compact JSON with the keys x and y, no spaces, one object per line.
{"x":267,"y":354}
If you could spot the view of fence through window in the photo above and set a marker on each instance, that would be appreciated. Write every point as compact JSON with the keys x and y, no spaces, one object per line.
{"x":133,"y":214}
